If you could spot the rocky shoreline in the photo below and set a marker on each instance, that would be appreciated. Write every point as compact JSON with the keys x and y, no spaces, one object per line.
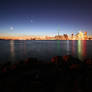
{"x":61,"y":74}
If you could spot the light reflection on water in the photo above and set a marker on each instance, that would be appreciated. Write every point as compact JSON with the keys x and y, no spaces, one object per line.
{"x":58,"y":46}
{"x":84,"y":48}
{"x":73,"y":48}
{"x":68,"y":48}
{"x":81,"y":49}
{"x":25,"y":48}
{"x":12,"y":51}
{"x":44,"y":50}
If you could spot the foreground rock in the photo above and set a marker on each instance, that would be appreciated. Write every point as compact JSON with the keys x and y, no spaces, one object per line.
{"x":61,"y":74}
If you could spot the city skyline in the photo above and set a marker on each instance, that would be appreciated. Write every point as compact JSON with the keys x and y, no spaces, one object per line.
{"x":45,"y":17}
{"x":79,"y":36}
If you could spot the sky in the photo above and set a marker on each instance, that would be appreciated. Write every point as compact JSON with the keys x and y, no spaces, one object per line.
{"x":45,"y":17}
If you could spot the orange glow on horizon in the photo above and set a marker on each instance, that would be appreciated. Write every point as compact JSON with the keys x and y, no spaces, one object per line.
{"x":78,"y":36}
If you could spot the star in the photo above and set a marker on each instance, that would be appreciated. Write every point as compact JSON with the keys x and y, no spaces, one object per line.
{"x":31,"y":21}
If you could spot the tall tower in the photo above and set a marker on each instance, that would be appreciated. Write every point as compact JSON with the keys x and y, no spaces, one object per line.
{"x":58,"y":30}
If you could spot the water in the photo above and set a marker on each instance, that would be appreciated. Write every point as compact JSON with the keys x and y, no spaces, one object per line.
{"x":43,"y":50}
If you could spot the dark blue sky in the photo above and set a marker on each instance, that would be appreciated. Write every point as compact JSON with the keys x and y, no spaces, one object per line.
{"x":45,"y":17}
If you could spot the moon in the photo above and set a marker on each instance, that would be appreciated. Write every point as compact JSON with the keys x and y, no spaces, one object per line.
{"x":11,"y":28}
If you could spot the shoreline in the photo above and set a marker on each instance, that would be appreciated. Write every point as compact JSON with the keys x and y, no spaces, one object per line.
{"x":61,"y":74}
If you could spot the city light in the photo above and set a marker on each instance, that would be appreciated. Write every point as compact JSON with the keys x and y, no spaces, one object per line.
{"x":79,"y":36}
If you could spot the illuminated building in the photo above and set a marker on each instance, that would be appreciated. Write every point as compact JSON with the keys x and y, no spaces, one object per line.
{"x":85,"y":36}
{"x":81,"y":36}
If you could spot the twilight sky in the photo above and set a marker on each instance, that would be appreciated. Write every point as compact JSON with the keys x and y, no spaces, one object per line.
{"x":45,"y":17}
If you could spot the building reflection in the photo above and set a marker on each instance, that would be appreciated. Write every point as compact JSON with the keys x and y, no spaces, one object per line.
{"x":58,"y":45}
{"x":81,"y":49}
{"x":84,"y":43}
{"x":73,"y":47}
{"x":68,"y":48}
{"x":12,"y":51}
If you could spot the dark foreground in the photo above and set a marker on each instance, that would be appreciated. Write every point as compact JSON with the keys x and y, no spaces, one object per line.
{"x":61,"y":74}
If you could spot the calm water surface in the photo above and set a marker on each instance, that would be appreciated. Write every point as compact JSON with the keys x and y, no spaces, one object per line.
{"x":43,"y":50}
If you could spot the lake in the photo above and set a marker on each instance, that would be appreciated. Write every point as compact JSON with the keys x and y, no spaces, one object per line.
{"x":16,"y":50}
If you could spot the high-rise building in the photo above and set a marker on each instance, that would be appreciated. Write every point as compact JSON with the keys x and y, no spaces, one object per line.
{"x":85,"y":36}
